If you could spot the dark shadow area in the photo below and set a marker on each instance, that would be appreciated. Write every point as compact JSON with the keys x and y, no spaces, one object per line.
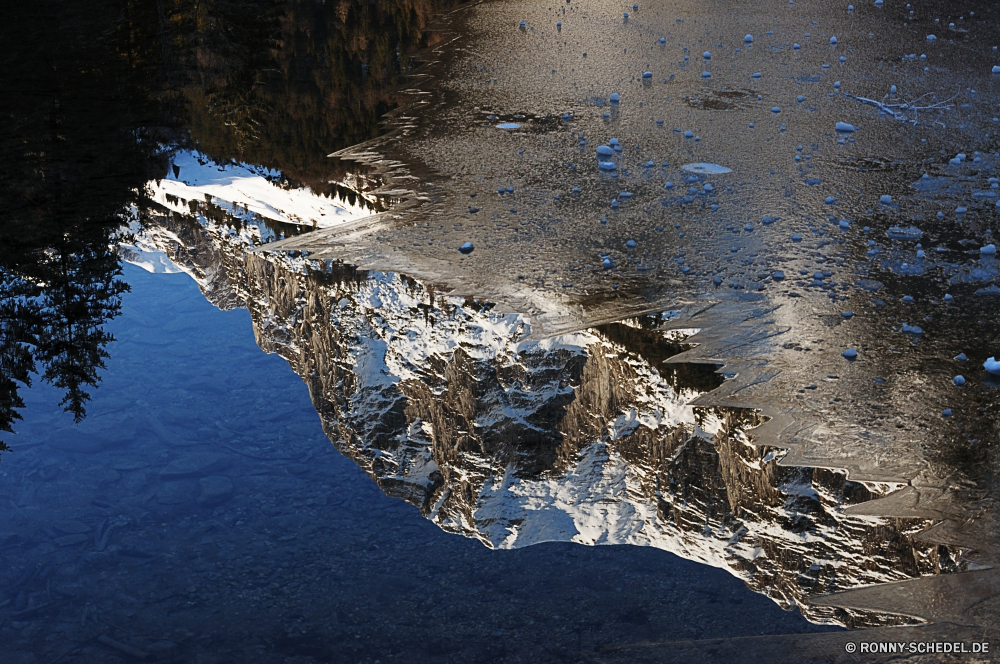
{"x":76,"y":149}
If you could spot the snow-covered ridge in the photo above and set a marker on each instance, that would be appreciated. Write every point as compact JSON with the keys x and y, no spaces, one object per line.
{"x":245,"y":190}
{"x":585,"y":437}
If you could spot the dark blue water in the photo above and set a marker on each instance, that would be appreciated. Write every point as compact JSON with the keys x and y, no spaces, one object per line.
{"x":199,"y":514}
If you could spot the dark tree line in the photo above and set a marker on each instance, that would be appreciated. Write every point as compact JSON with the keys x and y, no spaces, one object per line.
{"x":74,"y":158}
{"x":287,"y":84}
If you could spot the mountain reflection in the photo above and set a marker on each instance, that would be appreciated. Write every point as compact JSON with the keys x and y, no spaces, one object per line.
{"x":586,"y":437}
{"x":445,"y":402}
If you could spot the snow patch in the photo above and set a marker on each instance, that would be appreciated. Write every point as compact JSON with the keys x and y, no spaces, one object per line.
{"x":245,"y":189}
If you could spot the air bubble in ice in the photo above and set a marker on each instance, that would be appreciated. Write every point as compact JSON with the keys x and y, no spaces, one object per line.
{"x":904,"y":233}
{"x":959,"y":380}
{"x":992,"y":365}
{"x":850,"y":353}
{"x":466,"y":248}
{"x":748,"y":39}
{"x":845,"y":127}
{"x":703,"y":168}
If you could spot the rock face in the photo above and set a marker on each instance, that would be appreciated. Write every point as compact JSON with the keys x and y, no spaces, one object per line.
{"x":585,"y":437}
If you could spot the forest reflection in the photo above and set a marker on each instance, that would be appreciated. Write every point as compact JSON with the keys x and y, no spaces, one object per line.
{"x":96,"y":94}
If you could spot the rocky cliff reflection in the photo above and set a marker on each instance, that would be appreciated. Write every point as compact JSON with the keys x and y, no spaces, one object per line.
{"x":586,"y":437}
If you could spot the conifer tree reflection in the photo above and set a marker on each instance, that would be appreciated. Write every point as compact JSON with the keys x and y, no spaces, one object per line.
{"x":16,"y":362}
{"x":84,"y":293}
{"x":73,"y":165}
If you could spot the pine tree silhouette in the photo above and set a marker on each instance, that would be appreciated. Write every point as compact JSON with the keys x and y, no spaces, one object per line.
{"x":74,"y":160}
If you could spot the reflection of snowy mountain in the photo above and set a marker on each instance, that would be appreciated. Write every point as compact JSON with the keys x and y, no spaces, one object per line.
{"x":249,"y":191}
{"x":584,"y":437}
